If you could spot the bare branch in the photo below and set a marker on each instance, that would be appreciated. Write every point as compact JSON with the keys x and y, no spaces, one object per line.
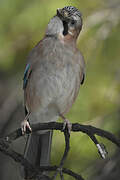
{"x":59,"y":126}
{"x":67,"y":147}
{"x":34,"y":172}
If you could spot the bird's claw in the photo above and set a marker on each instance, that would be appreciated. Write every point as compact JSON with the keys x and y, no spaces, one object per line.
{"x":24,"y":125}
{"x":68,"y":124}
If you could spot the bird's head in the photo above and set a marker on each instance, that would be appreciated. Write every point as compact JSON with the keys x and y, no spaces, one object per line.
{"x":67,"y":23}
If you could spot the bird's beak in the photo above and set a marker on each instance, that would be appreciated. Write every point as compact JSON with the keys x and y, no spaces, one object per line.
{"x":59,"y":11}
{"x":62,"y":14}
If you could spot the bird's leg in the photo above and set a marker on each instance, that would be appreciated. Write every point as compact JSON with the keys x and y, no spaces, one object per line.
{"x":25,"y":124}
{"x":66,"y":123}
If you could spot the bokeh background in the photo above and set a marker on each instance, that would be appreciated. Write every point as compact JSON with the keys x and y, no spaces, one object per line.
{"x":22,"y":25}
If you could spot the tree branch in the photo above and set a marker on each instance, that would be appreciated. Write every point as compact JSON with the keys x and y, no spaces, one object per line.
{"x":67,"y":147}
{"x":59,"y":126}
{"x":35,"y":172}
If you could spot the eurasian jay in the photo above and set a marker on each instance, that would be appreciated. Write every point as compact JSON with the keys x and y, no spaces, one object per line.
{"x":53,"y":75}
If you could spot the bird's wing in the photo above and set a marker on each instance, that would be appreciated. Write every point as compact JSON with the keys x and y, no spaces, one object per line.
{"x":31,"y":59}
{"x":82,"y":68}
{"x":83,"y":78}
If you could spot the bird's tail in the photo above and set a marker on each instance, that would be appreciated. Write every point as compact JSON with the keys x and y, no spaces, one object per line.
{"x":38,"y":149}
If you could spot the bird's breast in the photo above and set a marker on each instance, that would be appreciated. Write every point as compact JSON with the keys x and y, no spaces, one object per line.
{"x":54,"y":83}
{"x":69,"y":83}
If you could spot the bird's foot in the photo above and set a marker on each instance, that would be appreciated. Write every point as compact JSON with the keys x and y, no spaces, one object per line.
{"x":25,"y":124}
{"x":66,"y":123}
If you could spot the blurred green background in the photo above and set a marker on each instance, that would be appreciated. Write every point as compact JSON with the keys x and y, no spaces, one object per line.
{"x":22,"y":25}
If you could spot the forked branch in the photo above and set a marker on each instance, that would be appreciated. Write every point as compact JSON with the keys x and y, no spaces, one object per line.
{"x":35,"y":172}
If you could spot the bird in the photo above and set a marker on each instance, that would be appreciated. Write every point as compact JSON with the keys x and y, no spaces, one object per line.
{"x":54,"y":72}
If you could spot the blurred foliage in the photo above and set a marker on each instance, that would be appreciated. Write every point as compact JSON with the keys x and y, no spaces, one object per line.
{"x":23,"y":24}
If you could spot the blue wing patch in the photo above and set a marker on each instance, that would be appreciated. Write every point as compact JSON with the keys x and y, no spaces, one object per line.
{"x":26,"y":75}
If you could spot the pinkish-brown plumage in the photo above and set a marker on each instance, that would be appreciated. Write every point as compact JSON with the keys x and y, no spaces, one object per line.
{"x":55,"y":78}
{"x":54,"y":72}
